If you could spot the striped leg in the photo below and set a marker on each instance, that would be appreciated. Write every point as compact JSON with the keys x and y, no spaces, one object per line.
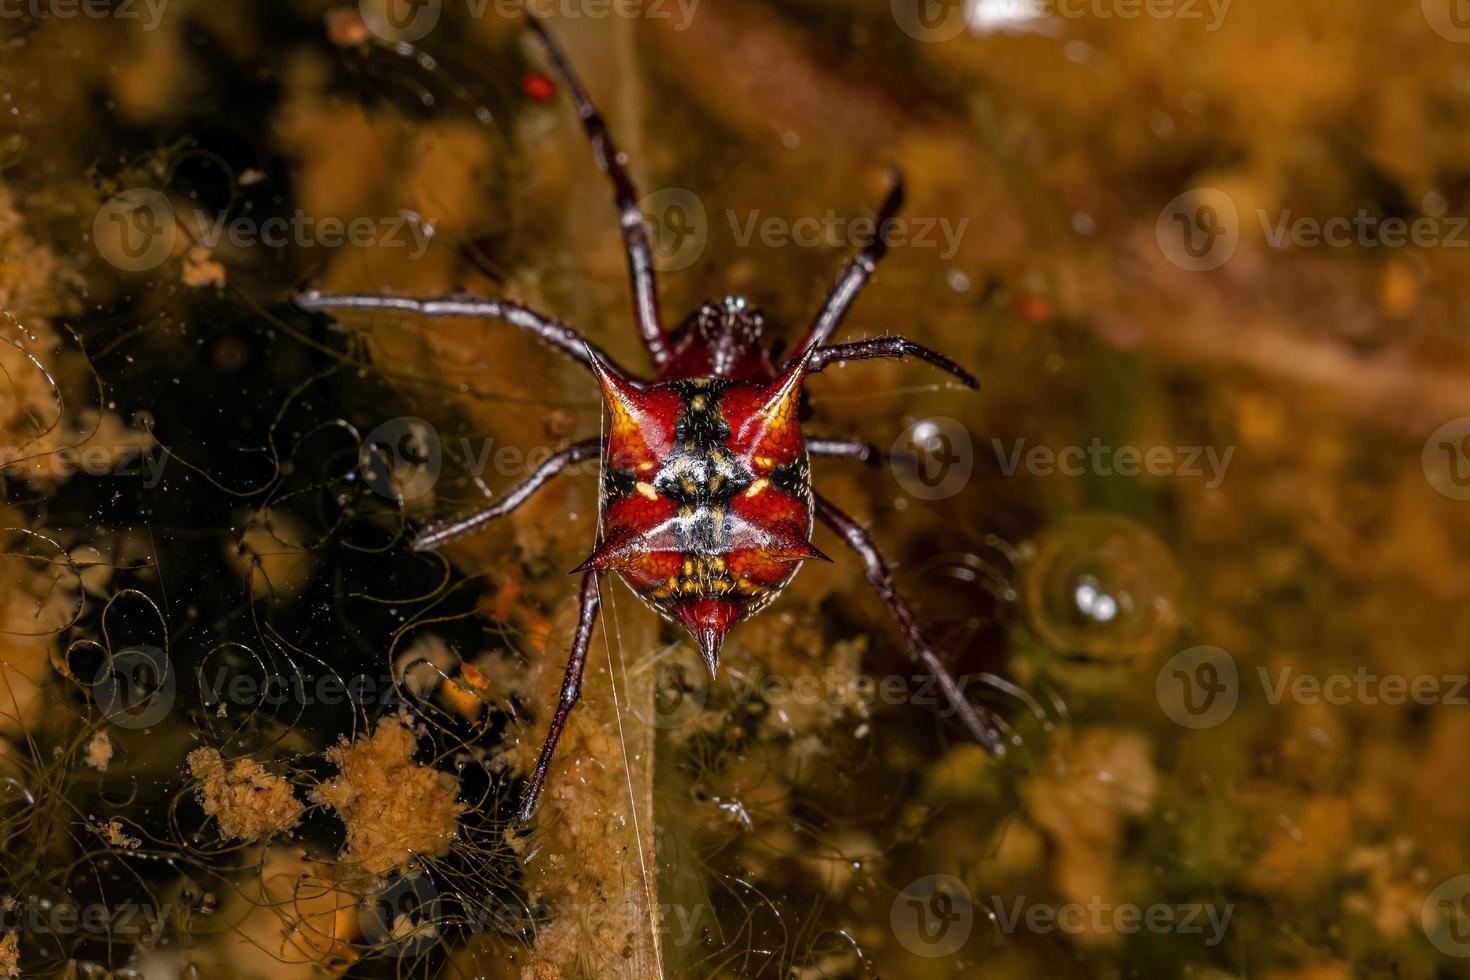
{"x":625,"y":196}
{"x":552,"y":331}
{"x":438,"y":534}
{"x":863,"y":452}
{"x":571,"y":692}
{"x":920,"y":648}
{"x":855,"y":276}
{"x":887,"y":347}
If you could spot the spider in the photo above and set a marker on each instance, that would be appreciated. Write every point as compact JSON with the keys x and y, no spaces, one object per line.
{"x":706,"y":505}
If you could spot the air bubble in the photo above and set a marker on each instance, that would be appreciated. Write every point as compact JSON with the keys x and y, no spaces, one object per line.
{"x":1102,"y":587}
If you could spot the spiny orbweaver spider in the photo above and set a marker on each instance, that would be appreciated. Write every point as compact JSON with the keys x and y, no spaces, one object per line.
{"x":706,"y":501}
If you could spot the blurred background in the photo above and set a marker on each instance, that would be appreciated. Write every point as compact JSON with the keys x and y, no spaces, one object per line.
{"x":1206,"y":515}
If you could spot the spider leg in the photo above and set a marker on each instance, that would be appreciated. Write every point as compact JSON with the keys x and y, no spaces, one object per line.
{"x":552,"y":331}
{"x":920,"y":647}
{"x":855,"y":276}
{"x":625,"y":196}
{"x":890,"y":347}
{"x":437,"y":534}
{"x":863,"y":452}
{"x":571,"y":690}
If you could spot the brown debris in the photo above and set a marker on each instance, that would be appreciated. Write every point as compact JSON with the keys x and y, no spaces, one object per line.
{"x":249,"y":802}
{"x":202,"y":269}
{"x":112,"y":831}
{"x":99,"y":751}
{"x":1081,"y":799}
{"x":393,"y":807}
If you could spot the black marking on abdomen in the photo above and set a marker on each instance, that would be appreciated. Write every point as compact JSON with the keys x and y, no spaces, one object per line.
{"x":617,"y":484}
{"x":700,"y":471}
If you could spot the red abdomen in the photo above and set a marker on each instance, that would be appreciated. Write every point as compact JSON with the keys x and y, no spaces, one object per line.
{"x":706,"y":497}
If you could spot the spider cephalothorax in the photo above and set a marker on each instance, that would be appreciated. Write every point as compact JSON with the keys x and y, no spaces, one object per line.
{"x":722,"y":341}
{"x":706,"y":497}
{"x":707,"y":504}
